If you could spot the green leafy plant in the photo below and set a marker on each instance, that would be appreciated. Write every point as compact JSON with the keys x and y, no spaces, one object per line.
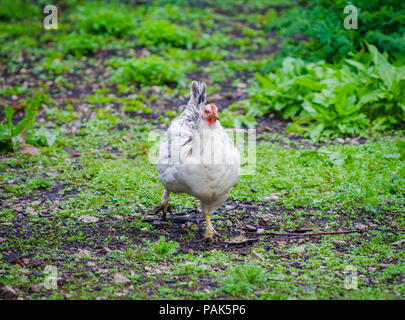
{"x":381,"y":24}
{"x":150,"y":70}
{"x":14,"y":10}
{"x":8,"y":132}
{"x":241,"y":113}
{"x":243,"y":278}
{"x":154,"y":251}
{"x":324,"y":99}
{"x":79,"y":44}
{"x":163,"y":33}
{"x":164,"y":247}
{"x":104,"y":19}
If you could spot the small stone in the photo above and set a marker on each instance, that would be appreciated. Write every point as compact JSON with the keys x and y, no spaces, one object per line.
{"x":301,"y":248}
{"x":353,"y":141}
{"x":37,"y":287}
{"x":120,"y":278}
{"x":88,"y":218}
{"x":272,"y":197}
{"x":267,"y":219}
{"x":7,"y":289}
{"x":360,"y":226}
{"x":260,"y":230}
{"x":293,"y":135}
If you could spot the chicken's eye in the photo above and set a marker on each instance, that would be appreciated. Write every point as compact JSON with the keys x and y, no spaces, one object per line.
{"x":206,"y":111}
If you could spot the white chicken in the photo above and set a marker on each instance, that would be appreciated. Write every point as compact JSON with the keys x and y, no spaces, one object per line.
{"x":198,"y":157}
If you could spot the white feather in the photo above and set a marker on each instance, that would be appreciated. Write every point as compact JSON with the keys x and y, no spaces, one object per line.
{"x":201,"y":161}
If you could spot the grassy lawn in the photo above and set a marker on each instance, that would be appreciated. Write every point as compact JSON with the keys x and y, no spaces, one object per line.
{"x":101,"y":86}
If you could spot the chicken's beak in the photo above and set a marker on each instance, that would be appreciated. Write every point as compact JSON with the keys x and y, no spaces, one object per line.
{"x":215,"y":116}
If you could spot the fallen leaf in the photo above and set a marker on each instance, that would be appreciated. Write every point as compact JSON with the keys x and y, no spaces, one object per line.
{"x":360,"y":226}
{"x":250,"y":227}
{"x":7,"y":289}
{"x":82,"y":252}
{"x":107,"y":249}
{"x":121,"y":294}
{"x":257,"y":256}
{"x":24,"y":271}
{"x":399,"y":243}
{"x":29,"y":150}
{"x":238,"y":239}
{"x":31,"y":211}
{"x":272,"y":197}
{"x":216,"y":96}
{"x":72,"y":152}
{"x":4,"y":159}
{"x":301,"y":248}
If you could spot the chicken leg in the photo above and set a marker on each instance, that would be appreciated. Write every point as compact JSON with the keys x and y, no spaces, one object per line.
{"x":210,"y":232}
{"x":165,"y":207}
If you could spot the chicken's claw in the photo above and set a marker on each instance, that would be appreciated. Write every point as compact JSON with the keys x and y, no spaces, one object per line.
{"x":164,"y":208}
{"x":211,"y":235}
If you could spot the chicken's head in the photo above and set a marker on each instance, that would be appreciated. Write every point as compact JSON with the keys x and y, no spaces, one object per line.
{"x":210,"y":114}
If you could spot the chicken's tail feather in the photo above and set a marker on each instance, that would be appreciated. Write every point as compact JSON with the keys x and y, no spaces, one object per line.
{"x":197,"y":94}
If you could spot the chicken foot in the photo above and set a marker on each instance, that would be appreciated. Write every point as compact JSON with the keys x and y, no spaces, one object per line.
{"x":165,"y":207}
{"x":210,"y":232}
